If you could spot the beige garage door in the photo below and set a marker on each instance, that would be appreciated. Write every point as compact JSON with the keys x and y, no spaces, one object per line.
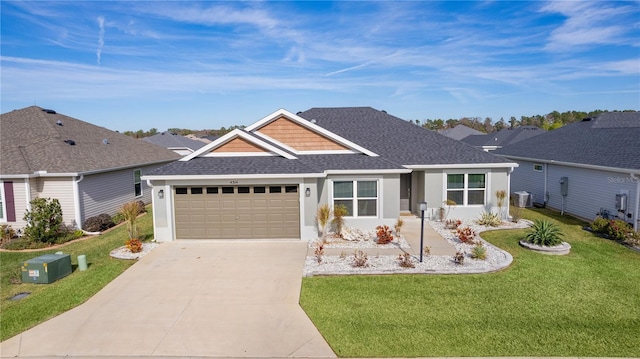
{"x":237,"y":212}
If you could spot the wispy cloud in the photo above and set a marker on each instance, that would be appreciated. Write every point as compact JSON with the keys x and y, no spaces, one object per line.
{"x":100,"y":38}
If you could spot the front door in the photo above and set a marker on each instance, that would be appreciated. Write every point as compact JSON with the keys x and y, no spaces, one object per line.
{"x":405,"y":192}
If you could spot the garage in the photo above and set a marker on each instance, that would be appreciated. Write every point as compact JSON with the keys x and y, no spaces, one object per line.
{"x":237,"y":212}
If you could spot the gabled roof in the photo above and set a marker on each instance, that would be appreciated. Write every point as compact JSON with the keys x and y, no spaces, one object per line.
{"x":610,"y":140}
{"x":172,"y":140}
{"x":459,"y":132}
{"x":32,"y":139}
{"x":502,"y":138}
{"x":395,"y":139}
{"x":370,"y":140}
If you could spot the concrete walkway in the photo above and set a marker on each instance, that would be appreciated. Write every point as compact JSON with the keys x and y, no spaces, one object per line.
{"x":189,"y":299}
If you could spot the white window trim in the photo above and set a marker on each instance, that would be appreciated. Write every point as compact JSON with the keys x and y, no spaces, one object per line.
{"x":538,"y":164}
{"x":465,"y":190}
{"x":134,"y":183}
{"x":3,"y":203}
{"x":355,"y":197}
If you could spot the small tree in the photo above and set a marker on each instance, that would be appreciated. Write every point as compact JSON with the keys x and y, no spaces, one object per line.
{"x":323,"y":215}
{"x":501,"y":195}
{"x":339,"y":212}
{"x":130,"y":212}
{"x":449,"y":203}
{"x":43,"y":220}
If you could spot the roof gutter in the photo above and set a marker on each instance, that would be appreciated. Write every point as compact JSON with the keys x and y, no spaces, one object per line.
{"x":44,"y":173}
{"x":463,"y":165}
{"x":231,"y":177}
{"x":572,"y":164}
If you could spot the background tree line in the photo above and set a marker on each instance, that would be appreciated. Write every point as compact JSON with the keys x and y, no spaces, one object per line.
{"x":183,"y":132}
{"x":549,"y":121}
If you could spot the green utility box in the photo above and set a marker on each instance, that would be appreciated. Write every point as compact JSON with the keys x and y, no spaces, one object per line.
{"x":46,"y":269}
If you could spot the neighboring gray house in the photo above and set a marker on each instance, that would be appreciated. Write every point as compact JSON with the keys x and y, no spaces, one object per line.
{"x":269,"y":179}
{"x":597,"y":161}
{"x":459,"y":132}
{"x":89,"y":169}
{"x":505,"y":137}
{"x":176,"y":143}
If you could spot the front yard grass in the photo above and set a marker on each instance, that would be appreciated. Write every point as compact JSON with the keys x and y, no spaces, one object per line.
{"x":48,"y":300}
{"x":584,"y":304}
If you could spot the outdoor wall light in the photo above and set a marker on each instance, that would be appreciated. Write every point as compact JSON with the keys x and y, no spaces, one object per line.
{"x":307,"y":192}
{"x":161,"y":194}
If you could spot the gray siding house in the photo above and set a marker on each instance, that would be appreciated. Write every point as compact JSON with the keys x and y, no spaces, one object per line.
{"x":586,"y":169}
{"x":91,"y":170}
{"x":267,"y":180}
{"x":505,"y":137}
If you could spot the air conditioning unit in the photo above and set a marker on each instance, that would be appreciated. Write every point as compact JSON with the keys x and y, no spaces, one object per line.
{"x":46,"y":269}
{"x":522,"y":199}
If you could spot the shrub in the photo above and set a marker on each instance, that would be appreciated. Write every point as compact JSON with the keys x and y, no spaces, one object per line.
{"x":43,"y":220}
{"x":427,"y":250}
{"x":8,"y":233}
{"x":458,"y":258}
{"x":466,"y":234}
{"x":322,"y":215}
{"x":479,"y":252}
{"x":544,"y":233}
{"x":452,"y":223}
{"x":141,"y":207}
{"x":489,"y":219}
{"x":360,"y":259}
{"x":398,"y":225}
{"x":405,"y":261}
{"x":383,"y":233}
{"x":339,"y":212}
{"x":319,"y":252}
{"x":134,"y":245}
{"x":130,"y":212}
{"x":98,"y":223}
{"x":516,"y":213}
{"x":600,"y":225}
{"x":618,"y":229}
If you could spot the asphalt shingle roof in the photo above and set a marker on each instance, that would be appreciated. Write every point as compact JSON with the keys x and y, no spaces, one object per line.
{"x":459,"y":132}
{"x":503,"y":137}
{"x":395,"y":139}
{"x":31,"y":140}
{"x":171,"y":140}
{"x":611,"y":140}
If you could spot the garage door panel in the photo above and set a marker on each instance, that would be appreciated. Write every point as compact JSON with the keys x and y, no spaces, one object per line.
{"x":237,"y":215}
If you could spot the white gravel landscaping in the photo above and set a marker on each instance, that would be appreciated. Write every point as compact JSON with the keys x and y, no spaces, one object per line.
{"x":388,"y":264}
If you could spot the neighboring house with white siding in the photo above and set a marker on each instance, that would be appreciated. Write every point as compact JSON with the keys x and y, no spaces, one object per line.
{"x":598,"y":160}
{"x":269,"y":179}
{"x":91,"y":170}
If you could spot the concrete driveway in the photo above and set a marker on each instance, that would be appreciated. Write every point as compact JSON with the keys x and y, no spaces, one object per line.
{"x":189,"y":299}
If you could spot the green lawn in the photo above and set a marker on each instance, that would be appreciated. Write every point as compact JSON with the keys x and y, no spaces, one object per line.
{"x":583,"y":304}
{"x":48,"y":300}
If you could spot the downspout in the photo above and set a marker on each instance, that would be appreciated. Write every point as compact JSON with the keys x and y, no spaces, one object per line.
{"x":545,"y":195}
{"x":509,"y":190}
{"x":76,"y":198}
{"x":635,"y":212}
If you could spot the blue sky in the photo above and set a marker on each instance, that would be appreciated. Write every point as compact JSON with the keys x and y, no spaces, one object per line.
{"x":138,"y":65}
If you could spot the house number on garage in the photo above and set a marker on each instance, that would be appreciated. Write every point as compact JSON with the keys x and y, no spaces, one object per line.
{"x":233,"y":182}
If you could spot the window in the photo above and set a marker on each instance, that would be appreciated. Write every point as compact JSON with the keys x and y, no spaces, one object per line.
{"x":291,"y":189}
{"x":243,"y":189}
{"x":137,"y":183}
{"x":212,"y":190}
{"x":466,"y":189}
{"x":260,"y":189}
{"x":196,"y":190}
{"x":537,"y":167}
{"x":275,"y":189}
{"x":359,"y":197}
{"x":181,"y":190}
{"x":227,"y":190}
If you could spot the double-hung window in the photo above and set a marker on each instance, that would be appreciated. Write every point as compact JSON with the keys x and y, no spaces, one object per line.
{"x":359,"y":197}
{"x":137,"y":183}
{"x":466,"y":188}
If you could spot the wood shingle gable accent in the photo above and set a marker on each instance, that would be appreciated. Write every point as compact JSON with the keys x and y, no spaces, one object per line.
{"x":298,"y":137}
{"x":347,"y":145}
{"x":238,"y":143}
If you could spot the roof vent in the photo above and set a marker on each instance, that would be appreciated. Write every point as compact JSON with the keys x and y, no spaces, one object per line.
{"x":586,"y":119}
{"x":105,"y":141}
{"x":383,"y":111}
{"x":298,"y":113}
{"x":313,"y":120}
{"x":59,"y":123}
{"x":49,"y":111}
{"x":70,"y":142}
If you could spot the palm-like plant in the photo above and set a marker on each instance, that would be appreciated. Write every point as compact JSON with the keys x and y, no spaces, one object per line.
{"x":544,"y":233}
